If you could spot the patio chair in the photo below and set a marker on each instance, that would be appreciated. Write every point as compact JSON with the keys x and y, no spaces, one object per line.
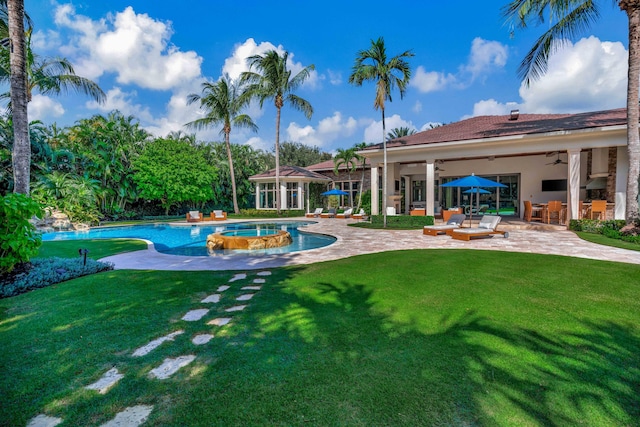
{"x":314,"y":214}
{"x":360,"y":215}
{"x":599,"y":208}
{"x":194,"y":216}
{"x":218,"y":215}
{"x":487,"y":227}
{"x":454,"y":221}
{"x":330,"y":214}
{"x":532,"y":213}
{"x":345,"y":214}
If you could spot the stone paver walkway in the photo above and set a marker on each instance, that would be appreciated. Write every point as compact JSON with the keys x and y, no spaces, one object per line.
{"x":357,"y":241}
{"x":135,"y":416}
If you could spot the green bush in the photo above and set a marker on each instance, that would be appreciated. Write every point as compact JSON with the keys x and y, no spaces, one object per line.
{"x":19,"y":240}
{"x":402,"y":221}
{"x":270,"y":213}
{"x":42,"y":272}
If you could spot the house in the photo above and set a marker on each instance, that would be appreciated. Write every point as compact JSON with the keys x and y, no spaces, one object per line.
{"x":539,"y":157}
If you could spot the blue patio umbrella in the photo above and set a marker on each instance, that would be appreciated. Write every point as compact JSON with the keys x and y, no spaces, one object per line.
{"x":475,"y":182}
{"x":476,"y":191}
{"x":335,"y":192}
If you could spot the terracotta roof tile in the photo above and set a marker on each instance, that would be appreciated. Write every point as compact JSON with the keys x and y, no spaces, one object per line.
{"x":291,"y":172}
{"x":499,"y":126}
{"x":328,"y":165}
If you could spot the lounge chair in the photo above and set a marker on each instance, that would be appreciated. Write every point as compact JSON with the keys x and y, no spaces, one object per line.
{"x":487,"y":227}
{"x":218,"y":215}
{"x":360,"y":215}
{"x":455,"y":221}
{"x":314,"y":214}
{"x":345,"y":214}
{"x":194,"y":216}
{"x":330,"y":214}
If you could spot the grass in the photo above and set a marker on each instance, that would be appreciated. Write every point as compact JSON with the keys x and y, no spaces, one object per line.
{"x":607,"y":241}
{"x":98,"y":248}
{"x":421,"y":337}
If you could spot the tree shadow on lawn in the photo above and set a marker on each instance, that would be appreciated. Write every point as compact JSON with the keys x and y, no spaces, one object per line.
{"x":332,"y":356}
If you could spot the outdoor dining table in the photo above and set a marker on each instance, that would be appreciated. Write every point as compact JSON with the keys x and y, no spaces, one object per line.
{"x":586,"y":208}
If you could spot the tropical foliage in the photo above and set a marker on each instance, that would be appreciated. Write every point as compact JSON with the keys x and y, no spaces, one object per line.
{"x":222,"y":103}
{"x":400,"y":132}
{"x":298,"y":154}
{"x":172,"y":172}
{"x":567,"y":19}
{"x":18,"y":238}
{"x":272,"y":80}
{"x":372,"y":65}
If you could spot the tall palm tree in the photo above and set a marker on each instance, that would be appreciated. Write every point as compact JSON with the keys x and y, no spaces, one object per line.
{"x":349,"y":158}
{"x":400,"y":132}
{"x":223,"y":102}
{"x":568,"y":18}
{"x":372,"y":65}
{"x":363,"y":163}
{"x":272,"y":80}
{"x":18,"y":83}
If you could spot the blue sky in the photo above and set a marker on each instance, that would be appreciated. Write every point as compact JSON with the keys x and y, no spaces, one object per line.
{"x":149,"y":55}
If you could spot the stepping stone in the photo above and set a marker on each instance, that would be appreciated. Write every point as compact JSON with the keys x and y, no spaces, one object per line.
{"x":259,"y":281}
{"x":194,"y":315}
{"x":44,"y":421}
{"x":251,"y":288}
{"x":223,"y":288}
{"x":245,"y":297}
{"x":133,"y":416}
{"x":220,"y":321}
{"x":264,"y":273}
{"x":155,"y":343}
{"x":108,"y":380}
{"x":171,"y":366}
{"x":236,"y":308}
{"x":238,"y":277}
{"x":202,"y":339}
{"x":211,"y":298}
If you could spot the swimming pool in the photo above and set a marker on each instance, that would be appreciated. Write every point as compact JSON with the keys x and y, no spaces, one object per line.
{"x":191,"y":240}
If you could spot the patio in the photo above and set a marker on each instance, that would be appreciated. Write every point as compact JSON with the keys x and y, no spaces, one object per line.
{"x":523,"y":237}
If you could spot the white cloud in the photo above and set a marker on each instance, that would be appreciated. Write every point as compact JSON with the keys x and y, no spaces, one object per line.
{"x":328,"y":130}
{"x":485,"y":56}
{"x":373,"y":132}
{"x":45,"y":41}
{"x":42,"y":107}
{"x":431,"y":81}
{"x":335,"y":77}
{"x":589,"y":75}
{"x":236,"y":64}
{"x":417,"y":107}
{"x":258,"y":143}
{"x":133,"y":46}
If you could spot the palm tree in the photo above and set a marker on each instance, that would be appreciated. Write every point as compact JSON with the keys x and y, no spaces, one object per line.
{"x":349,"y":158}
{"x":363,"y":160}
{"x":372,"y":65}
{"x":222,"y":102}
{"x":21,"y":154}
{"x":400,"y":132}
{"x":272,"y":80}
{"x":568,"y":18}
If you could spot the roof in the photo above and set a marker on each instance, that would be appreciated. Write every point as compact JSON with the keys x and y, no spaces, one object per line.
{"x":329,"y":165}
{"x":297,"y":172}
{"x":485,"y":127}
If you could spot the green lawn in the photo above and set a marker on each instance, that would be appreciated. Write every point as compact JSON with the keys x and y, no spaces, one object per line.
{"x":420,"y":337}
{"x":98,"y":248}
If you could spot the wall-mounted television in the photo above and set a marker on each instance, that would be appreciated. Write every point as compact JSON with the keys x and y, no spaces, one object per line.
{"x":554,"y":185}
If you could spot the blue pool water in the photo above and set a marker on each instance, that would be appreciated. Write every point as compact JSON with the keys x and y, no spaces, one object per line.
{"x":191,"y":240}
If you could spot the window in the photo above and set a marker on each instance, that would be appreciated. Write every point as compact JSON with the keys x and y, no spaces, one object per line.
{"x":292,"y":195}
{"x":268,"y":196}
{"x":352,"y":187}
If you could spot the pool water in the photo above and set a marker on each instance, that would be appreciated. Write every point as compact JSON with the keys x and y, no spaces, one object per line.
{"x":191,"y":240}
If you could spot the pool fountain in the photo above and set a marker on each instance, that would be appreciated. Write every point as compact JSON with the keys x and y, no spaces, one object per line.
{"x":248,"y":239}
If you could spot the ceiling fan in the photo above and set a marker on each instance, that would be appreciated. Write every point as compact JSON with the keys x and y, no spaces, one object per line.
{"x":557,"y":161}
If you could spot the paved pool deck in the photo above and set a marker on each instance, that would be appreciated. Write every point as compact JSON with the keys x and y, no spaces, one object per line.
{"x":352,"y":241}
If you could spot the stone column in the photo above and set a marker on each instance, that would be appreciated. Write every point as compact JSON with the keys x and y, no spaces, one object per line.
{"x":573,"y":189}
{"x":375,"y":200}
{"x":430,"y":182}
{"x":258,"y":195}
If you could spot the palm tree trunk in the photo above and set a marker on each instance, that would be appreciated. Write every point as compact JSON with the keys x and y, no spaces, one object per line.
{"x":278,"y":160}
{"x":632,"y":8}
{"x":21,"y":156}
{"x":236,"y":210}
{"x":384,"y":172}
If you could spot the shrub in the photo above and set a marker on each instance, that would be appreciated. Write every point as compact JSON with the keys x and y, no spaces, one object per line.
{"x":402,"y":221}
{"x":269,"y":213}
{"x":19,"y":240}
{"x":42,"y":272}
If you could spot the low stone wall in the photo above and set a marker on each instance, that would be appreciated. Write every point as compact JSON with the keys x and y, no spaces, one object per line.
{"x":219,"y":241}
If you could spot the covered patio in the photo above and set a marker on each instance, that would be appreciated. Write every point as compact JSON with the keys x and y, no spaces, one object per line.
{"x":572,"y":158}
